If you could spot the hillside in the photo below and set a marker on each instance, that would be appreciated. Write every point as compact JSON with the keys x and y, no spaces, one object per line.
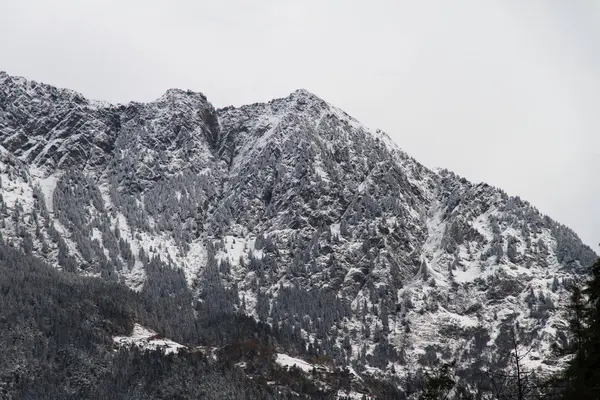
{"x":290,"y":212}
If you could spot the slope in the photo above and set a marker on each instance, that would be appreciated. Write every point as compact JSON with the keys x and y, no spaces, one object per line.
{"x":291,"y":212}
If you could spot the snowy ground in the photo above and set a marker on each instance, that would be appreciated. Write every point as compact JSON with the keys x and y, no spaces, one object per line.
{"x":286,"y":361}
{"x":147,"y":339}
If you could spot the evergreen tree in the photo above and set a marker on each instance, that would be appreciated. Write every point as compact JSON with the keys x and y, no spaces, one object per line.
{"x":582,"y":378}
{"x":441,"y":384}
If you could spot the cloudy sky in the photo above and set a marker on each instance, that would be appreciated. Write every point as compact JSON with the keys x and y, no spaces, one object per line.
{"x":506,"y":92}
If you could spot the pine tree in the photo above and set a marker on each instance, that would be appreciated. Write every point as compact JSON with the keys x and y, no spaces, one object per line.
{"x":441,"y":384}
{"x":582,"y":377}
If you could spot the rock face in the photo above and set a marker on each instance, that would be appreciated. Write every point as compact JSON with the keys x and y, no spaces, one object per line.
{"x":303,"y":217}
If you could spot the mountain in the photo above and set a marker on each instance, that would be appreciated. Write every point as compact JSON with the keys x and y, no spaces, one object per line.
{"x":290,"y":212}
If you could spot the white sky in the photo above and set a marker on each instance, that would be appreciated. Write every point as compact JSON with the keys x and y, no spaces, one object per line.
{"x":506,"y":92}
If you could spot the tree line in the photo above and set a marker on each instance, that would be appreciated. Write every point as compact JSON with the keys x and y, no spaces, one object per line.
{"x":580,"y":379}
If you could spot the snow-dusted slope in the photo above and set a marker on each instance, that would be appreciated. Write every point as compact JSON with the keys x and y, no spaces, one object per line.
{"x":314,"y":222}
{"x":147,"y":339}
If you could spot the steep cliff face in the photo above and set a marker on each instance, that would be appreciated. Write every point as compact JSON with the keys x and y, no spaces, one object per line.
{"x":300,"y":215}
{"x":54,"y":128}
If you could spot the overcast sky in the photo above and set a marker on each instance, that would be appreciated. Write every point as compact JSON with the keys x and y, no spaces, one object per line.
{"x":506,"y":92}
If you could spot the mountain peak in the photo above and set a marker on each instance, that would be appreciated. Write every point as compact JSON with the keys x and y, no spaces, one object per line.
{"x":303,"y":95}
{"x":302,"y":92}
{"x":291,"y":212}
{"x":11,"y":79}
{"x":175,"y":93}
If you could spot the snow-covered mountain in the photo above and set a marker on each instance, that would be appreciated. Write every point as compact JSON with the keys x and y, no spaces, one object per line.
{"x":291,"y":212}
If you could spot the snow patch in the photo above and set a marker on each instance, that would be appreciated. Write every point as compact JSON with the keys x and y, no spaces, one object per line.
{"x":148,"y":339}
{"x":462,"y":320}
{"x":350,"y":395}
{"x":47,"y":185}
{"x":286,"y":361}
{"x":335,"y":229}
{"x":194,"y":261}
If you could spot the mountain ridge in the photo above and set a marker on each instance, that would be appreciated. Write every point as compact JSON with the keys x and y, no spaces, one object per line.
{"x":291,"y":212}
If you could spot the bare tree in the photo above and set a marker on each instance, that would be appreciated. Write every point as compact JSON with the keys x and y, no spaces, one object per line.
{"x":517,"y":382}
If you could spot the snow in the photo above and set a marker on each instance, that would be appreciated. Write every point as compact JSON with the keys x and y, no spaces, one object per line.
{"x":99,"y":103}
{"x":435,"y":232}
{"x":389,"y":144}
{"x":195,"y":259}
{"x":482,"y":225}
{"x":34,"y":145}
{"x":351,"y":394}
{"x":363,"y":185}
{"x":352,"y":272}
{"x":235,"y":248}
{"x":136,"y":276}
{"x":335,"y":229}
{"x":16,"y":190}
{"x":47,"y":185}
{"x":353,"y":372}
{"x":253,"y":146}
{"x":319,"y":170}
{"x":462,"y":320}
{"x":96,"y":235}
{"x":148,"y":339}
{"x":286,"y":361}
{"x":468,"y":275}
{"x":432,"y":248}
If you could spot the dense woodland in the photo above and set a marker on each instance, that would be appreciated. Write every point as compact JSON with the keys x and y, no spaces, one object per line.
{"x":56,"y":339}
{"x":57,"y":330}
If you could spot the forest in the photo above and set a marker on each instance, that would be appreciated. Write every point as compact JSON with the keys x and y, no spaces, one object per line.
{"x":57,"y":330}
